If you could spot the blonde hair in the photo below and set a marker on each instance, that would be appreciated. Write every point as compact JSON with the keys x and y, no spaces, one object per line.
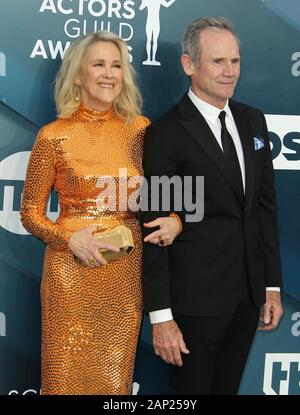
{"x":67,"y":94}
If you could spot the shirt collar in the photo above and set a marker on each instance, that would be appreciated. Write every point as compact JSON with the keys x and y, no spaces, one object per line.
{"x":208,"y":111}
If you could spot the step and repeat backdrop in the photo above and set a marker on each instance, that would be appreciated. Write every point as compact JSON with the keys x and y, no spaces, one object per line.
{"x":34,"y":35}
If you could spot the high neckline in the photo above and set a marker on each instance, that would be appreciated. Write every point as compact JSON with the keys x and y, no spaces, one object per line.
{"x":88,"y":114}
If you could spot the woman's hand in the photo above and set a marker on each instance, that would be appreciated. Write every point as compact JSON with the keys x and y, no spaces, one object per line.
{"x":85,"y":248}
{"x":169,"y":228}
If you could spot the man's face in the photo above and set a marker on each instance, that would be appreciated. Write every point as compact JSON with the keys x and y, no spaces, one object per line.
{"x":214,"y":80}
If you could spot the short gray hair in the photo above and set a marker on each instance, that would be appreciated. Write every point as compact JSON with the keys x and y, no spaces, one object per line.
{"x":191,"y":42}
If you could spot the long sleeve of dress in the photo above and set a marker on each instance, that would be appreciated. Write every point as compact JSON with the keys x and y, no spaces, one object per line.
{"x":40,"y":178}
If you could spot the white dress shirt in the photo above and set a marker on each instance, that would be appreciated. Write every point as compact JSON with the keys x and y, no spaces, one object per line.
{"x":211,"y":115}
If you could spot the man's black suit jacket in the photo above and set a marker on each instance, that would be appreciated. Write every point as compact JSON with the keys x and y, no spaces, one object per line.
{"x":202,"y":272}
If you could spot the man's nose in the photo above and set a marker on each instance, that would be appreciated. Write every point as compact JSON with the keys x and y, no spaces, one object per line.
{"x":229,"y":69}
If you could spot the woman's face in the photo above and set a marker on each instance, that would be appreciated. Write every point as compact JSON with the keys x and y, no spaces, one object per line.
{"x":100,"y":76}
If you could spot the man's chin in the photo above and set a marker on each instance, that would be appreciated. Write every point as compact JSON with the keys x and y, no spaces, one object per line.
{"x":228,"y":95}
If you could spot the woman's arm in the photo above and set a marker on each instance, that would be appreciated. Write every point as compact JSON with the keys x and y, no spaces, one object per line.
{"x":40,"y":177}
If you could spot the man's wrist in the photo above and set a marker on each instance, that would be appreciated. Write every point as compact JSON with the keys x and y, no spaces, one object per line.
{"x":273,"y":289}
{"x":159,"y":316}
{"x":175,"y":216}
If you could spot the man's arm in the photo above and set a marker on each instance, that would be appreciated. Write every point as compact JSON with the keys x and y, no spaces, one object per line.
{"x":168,"y":341}
{"x":159,"y":160}
{"x":272,"y":309}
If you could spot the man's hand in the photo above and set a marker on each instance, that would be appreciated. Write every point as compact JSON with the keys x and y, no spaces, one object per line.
{"x":167,"y":232}
{"x":271,"y":311}
{"x":168,"y":342}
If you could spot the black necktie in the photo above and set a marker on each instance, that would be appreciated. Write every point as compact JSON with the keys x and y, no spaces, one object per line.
{"x":230,"y":155}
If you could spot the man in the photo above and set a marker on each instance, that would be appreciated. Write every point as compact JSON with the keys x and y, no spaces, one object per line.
{"x":204,"y":292}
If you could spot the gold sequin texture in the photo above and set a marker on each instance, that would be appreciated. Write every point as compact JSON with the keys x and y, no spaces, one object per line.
{"x":90,"y":316}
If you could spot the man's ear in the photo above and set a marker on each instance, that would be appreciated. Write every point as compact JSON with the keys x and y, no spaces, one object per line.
{"x":187,"y":64}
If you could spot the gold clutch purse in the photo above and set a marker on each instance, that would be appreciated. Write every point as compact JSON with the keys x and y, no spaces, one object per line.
{"x":120,"y":236}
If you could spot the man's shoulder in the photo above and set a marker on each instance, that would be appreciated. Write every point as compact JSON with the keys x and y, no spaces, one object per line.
{"x":244,"y":107}
{"x":170,"y":118}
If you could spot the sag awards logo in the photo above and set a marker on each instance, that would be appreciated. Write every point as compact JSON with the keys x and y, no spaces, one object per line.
{"x":282,"y":374}
{"x":153,"y":27}
{"x":284,"y":133}
{"x":12,"y":176}
{"x":2,"y":325}
{"x":2,"y":64}
{"x":112,"y":15}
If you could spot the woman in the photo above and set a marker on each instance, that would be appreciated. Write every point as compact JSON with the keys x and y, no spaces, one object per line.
{"x":91,"y":309}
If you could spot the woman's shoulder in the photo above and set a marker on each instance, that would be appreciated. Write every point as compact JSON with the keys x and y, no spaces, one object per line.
{"x":141,"y":121}
{"x":53,"y":128}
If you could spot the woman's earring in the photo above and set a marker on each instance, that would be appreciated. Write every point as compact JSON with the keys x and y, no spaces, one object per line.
{"x":77,"y":98}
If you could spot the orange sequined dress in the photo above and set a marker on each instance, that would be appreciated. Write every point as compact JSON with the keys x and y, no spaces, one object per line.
{"x":90,"y":316}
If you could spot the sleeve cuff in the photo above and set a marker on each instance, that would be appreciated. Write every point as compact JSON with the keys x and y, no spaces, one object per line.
{"x":159,"y":316}
{"x":273,"y":289}
{"x":174,"y":215}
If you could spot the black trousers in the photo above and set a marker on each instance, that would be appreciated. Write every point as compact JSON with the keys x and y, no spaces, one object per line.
{"x":219,"y":347}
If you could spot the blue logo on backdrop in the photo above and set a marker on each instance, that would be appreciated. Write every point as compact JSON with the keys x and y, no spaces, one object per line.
{"x":12,"y":175}
{"x":284,"y":133}
{"x":282,"y":374}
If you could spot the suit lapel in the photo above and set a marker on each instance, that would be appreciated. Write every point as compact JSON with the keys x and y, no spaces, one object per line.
{"x":241,"y":118}
{"x":197,"y":127}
